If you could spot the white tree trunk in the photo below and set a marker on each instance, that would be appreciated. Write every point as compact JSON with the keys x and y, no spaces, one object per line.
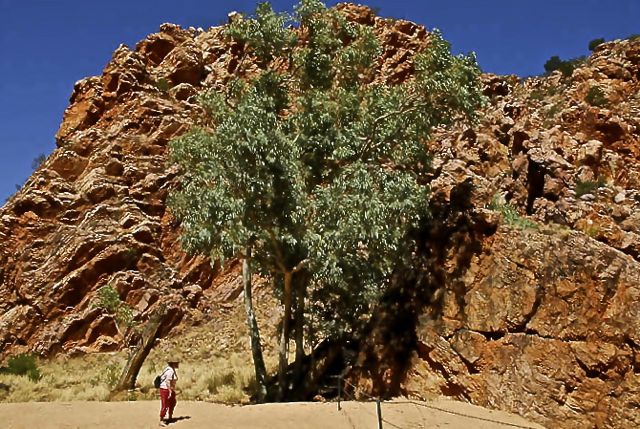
{"x":254,"y":332}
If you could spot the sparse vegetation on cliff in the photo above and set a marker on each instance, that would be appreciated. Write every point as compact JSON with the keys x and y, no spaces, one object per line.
{"x":595,"y":43}
{"x":565,"y":66}
{"x":588,"y":186}
{"x":109,"y":300}
{"x":596,"y":97}
{"x":38,"y":160}
{"x":510,"y":214}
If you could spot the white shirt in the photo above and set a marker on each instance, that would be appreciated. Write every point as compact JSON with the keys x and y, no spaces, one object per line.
{"x":168,"y":375}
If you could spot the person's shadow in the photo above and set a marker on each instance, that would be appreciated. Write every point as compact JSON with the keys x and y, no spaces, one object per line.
{"x":177,"y":419}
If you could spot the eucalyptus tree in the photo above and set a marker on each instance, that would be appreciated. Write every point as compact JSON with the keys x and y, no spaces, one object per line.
{"x":311,"y":167}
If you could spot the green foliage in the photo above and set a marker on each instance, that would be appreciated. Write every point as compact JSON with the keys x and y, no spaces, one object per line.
{"x":592,"y":230}
{"x":540,"y":94}
{"x":109,"y":300}
{"x":23,"y":364}
{"x":589,"y":186}
{"x":38,"y":160}
{"x":552,"y":64}
{"x":537,"y":94}
{"x":596,"y":97}
{"x":595,"y":43}
{"x":311,"y":164}
{"x":510,"y":214}
{"x":266,"y":34}
{"x":131,"y":256}
{"x":565,"y":66}
{"x":552,"y":111}
{"x":162,"y":84}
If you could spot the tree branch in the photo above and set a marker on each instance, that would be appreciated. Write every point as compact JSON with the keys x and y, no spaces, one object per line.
{"x":276,"y":247}
{"x":367,"y":146}
{"x":301,"y":265}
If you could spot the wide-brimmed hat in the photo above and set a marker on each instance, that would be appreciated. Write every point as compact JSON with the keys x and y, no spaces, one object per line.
{"x":173,"y":359}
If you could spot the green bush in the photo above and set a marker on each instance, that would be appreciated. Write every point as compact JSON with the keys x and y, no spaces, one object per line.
{"x":552,"y":64}
{"x":537,"y":94}
{"x":595,"y":43}
{"x":162,"y":84}
{"x":596,"y":97}
{"x":589,"y":186}
{"x":565,"y":66}
{"x":109,"y":300}
{"x":550,"y":114}
{"x":38,"y":161}
{"x":544,"y":92}
{"x":131,"y":256}
{"x":592,"y":231}
{"x":23,"y":364}
{"x":510,"y":214}
{"x":553,"y":110}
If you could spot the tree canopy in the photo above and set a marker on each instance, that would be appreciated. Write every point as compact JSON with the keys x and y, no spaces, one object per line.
{"x":314,"y":164}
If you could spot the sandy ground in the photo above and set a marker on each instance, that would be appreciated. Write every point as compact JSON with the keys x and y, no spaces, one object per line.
{"x":189,"y":415}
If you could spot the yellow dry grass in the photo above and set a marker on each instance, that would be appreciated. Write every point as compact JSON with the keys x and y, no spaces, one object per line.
{"x":215,"y":366}
{"x":64,"y":379}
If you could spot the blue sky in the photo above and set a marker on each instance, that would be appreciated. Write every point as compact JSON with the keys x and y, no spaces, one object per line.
{"x":47,"y":45}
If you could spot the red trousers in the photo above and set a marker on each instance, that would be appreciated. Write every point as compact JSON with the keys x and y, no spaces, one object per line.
{"x":168,"y":402}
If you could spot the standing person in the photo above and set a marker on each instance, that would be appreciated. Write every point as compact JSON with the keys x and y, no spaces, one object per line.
{"x":168,"y":381}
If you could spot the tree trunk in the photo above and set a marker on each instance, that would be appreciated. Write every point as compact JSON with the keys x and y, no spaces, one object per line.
{"x":141,"y":351}
{"x":301,"y":288}
{"x":284,"y":338}
{"x":254,"y":332}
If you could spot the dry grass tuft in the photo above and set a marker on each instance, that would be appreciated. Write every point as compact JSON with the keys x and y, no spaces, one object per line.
{"x":215,"y":366}
{"x":89,"y":378}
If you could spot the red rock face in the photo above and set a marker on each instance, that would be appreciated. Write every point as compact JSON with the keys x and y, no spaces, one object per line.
{"x":94,"y":213}
{"x":535,"y":329}
{"x":541,"y":320}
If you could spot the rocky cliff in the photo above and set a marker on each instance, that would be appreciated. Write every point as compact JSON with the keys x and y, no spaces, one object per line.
{"x":525,"y":295}
{"x":544,"y":318}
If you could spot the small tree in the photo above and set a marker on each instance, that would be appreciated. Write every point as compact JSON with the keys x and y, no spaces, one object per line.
{"x":552,"y":64}
{"x":595,"y":43}
{"x":38,"y":160}
{"x":23,"y":364}
{"x":313,"y":169}
{"x":108,"y":299}
{"x":566,"y":67}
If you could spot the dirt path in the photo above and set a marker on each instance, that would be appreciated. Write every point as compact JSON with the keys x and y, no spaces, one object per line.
{"x":191,"y":415}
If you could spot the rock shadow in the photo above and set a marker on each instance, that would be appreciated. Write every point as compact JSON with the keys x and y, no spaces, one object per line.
{"x":445,"y":246}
